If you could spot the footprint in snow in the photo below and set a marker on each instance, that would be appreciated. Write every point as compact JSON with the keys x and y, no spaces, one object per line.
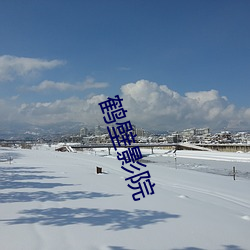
{"x":183,"y":196}
{"x":245,"y":217}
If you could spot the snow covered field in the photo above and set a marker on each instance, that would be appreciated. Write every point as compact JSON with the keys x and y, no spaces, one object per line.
{"x":52,"y":200}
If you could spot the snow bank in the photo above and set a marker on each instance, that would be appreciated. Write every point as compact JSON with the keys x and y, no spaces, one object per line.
{"x":53,"y":200}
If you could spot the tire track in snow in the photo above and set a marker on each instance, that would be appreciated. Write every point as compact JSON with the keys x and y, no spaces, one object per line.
{"x":219,"y":195}
{"x":222,"y":196}
{"x":226,"y":197}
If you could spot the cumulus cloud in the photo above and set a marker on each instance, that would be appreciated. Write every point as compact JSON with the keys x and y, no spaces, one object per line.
{"x":12,"y":66}
{"x":149,"y":105}
{"x":71,"y":109}
{"x":202,"y":97}
{"x":89,"y":83}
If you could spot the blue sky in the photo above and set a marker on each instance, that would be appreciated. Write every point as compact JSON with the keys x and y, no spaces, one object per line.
{"x":87,"y":48}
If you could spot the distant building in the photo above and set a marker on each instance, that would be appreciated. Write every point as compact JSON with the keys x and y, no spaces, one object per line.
{"x":223,"y":137}
{"x":140,"y":132}
{"x":117,"y":131}
{"x":174,"y":138}
{"x":202,"y":131}
{"x":188,"y":132}
{"x":194,"y":134}
{"x":98,"y":130}
{"x":83,"y":132}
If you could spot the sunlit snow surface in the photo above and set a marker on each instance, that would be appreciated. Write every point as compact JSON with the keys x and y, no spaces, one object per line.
{"x":54,"y":200}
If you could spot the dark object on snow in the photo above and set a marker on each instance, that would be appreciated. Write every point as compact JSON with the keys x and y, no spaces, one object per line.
{"x":234,"y":173}
{"x":98,"y":170}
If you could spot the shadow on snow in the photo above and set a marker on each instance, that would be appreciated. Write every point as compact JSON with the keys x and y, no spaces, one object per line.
{"x":21,"y":170}
{"x":117,"y":248}
{"x":116,"y":219}
{"x":18,"y":177}
{"x":44,"y":196}
{"x":226,"y":247}
{"x":6,"y":154}
{"x":232,"y":247}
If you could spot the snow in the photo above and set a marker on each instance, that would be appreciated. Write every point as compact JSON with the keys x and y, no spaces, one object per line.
{"x":55,"y":200}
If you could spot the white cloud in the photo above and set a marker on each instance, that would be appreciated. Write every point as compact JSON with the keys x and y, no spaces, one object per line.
{"x":72,"y":109}
{"x":8,"y":111}
{"x":149,"y":105}
{"x":12,"y":66}
{"x":50,"y":85}
{"x":89,"y":83}
{"x":203,"y":96}
{"x":123,"y":69}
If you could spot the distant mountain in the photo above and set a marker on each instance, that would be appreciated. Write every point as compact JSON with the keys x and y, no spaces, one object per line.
{"x":10,"y":130}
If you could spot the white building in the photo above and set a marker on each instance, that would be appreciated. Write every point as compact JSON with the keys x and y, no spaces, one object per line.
{"x":140,"y":132}
{"x":98,"y":130}
{"x":83,"y":132}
